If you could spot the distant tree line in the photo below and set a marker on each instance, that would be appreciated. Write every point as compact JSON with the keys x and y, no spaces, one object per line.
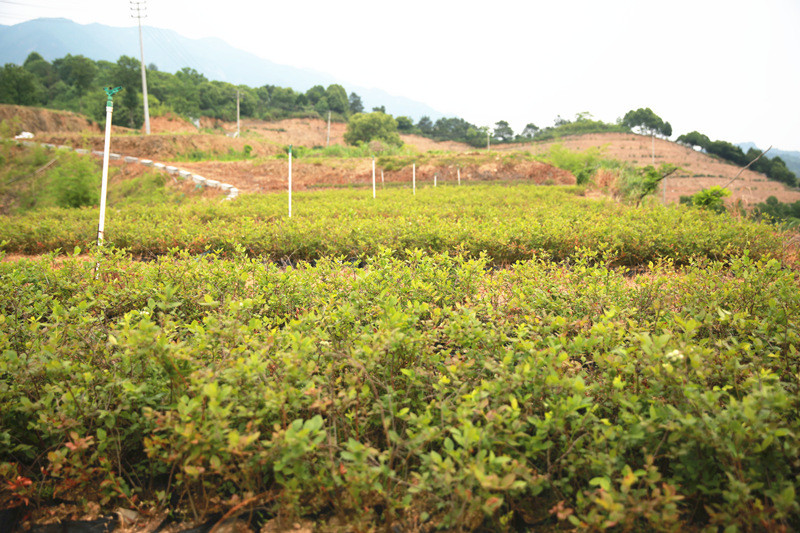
{"x":459,"y":130}
{"x":582,"y":123}
{"x":774,"y":168}
{"x":75,"y":83}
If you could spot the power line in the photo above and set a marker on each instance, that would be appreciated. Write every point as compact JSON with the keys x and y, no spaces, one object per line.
{"x":168,"y":45}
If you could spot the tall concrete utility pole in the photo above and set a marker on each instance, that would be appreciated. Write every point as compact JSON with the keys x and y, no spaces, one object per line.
{"x":328,"y":139}
{"x":237,"y":113}
{"x":139,"y":11}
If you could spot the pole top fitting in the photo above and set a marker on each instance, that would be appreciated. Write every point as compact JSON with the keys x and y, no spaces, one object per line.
{"x":111,"y":92}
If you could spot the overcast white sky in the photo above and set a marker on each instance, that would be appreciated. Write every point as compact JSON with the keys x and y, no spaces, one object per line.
{"x":729,"y":69}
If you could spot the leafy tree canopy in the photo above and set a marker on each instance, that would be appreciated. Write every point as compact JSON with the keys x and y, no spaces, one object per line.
{"x":356,"y":105}
{"x":503,"y":132}
{"x":78,"y":71}
{"x":425,"y":125}
{"x":647,"y":122}
{"x":530,"y":131}
{"x":376,"y":126}
{"x":315,"y":93}
{"x":694,"y":138}
{"x":337,"y":99}
{"x":712,"y":198}
{"x":17,"y":86}
{"x":405,"y":124}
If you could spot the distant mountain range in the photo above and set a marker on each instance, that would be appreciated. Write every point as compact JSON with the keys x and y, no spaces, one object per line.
{"x":792,"y":159}
{"x":54,"y":38}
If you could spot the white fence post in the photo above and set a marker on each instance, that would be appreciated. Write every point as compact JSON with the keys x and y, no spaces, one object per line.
{"x":106,"y":150}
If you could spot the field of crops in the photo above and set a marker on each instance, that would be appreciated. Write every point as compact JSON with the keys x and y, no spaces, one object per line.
{"x":507,"y":223}
{"x":489,"y":357}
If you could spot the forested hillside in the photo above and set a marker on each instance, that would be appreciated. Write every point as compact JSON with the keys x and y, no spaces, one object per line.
{"x":75,"y":83}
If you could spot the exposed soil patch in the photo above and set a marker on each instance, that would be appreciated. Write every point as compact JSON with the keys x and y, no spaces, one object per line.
{"x":171,"y":123}
{"x":165,"y":148}
{"x":174,"y":139}
{"x":271,"y":175}
{"x":698,"y":170}
{"x":36,"y":120}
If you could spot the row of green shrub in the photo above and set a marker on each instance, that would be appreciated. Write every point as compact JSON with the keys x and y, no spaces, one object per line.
{"x":423,"y":392}
{"x":508,"y":223}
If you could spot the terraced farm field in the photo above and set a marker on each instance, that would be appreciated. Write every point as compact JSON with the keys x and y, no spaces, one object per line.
{"x":492,"y":357}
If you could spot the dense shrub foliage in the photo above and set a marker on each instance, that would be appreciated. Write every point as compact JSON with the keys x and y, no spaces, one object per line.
{"x":775,"y":210}
{"x":507,"y":223}
{"x":495,"y":357}
{"x":423,"y":391}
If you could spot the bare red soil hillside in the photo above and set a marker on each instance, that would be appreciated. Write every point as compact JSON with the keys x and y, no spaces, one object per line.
{"x":698,"y":170}
{"x":174,"y":139}
{"x":37,"y":120}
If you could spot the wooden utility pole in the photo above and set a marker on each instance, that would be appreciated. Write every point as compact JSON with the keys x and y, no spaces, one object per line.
{"x":653,"y":149}
{"x":139,"y":11}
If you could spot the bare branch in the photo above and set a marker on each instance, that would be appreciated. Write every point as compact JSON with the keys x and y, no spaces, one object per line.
{"x":639,"y":201}
{"x":748,"y":166}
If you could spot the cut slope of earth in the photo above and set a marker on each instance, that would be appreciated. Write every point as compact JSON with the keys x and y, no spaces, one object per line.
{"x":174,"y":139}
{"x":698,"y":170}
{"x":38,"y":120}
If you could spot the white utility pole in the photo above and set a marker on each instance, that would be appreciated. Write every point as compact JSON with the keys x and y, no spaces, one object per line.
{"x":290,"y":181}
{"x":237,"y":113}
{"x":414,"y":177}
{"x":328,"y":139}
{"x":139,"y":11}
{"x":459,"y":175}
{"x":488,"y":140}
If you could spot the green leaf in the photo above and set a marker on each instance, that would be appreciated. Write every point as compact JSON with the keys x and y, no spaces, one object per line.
{"x":602,"y":482}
